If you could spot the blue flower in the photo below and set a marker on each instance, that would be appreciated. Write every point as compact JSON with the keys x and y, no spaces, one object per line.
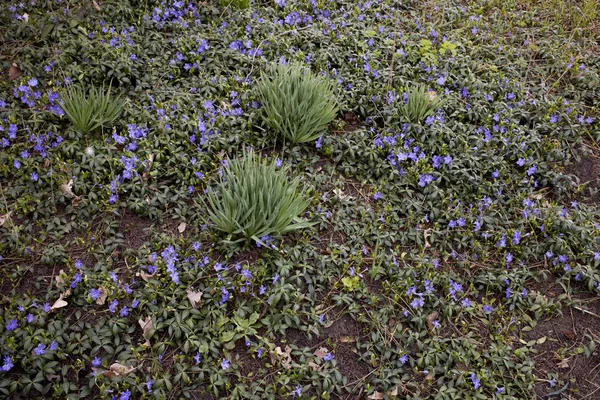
{"x":95,"y":294}
{"x":8,"y":364}
{"x":225,"y":364}
{"x":475,"y":380}
{"x":297,"y":392}
{"x":12,"y":325}
{"x":328,"y":357}
{"x":40,"y":349}
{"x":487,"y":309}
{"x":319,"y":142}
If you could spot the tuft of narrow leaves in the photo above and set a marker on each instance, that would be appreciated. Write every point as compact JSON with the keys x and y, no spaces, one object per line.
{"x":255,"y":199}
{"x":297,"y":104}
{"x":421,"y":104}
{"x":90,"y":109}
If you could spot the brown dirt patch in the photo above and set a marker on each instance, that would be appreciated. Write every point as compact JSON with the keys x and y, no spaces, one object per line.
{"x":351,"y":123}
{"x":135,"y":229}
{"x":34,"y":279}
{"x":560,"y":353}
{"x":587,"y":171}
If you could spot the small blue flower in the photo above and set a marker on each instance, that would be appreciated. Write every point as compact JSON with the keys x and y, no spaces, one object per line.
{"x":225,"y":364}
{"x":12,"y":325}
{"x":40,"y":349}
{"x":8,"y":364}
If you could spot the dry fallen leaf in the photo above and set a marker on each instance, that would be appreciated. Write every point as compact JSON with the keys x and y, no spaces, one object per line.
{"x":5,"y":217}
{"x":181,"y":227}
{"x":147,"y":327}
{"x":314,"y":365}
{"x":430,"y":318}
{"x":146,"y":276}
{"x":376,"y":396}
{"x":347,"y":339}
{"x":14,"y":72}
{"x":194,"y":297}
{"x":76,"y":201}
{"x":146,"y":173}
{"x":426,"y":234}
{"x":568,"y":333}
{"x":284,"y":356}
{"x":96,"y":6}
{"x":66,"y":187}
{"x":103,"y":294}
{"x":321,"y":352}
{"x":118,"y":370}
{"x":46,"y":163}
{"x":60,"y":278}
{"x":60,"y":303}
{"x":563,"y":364}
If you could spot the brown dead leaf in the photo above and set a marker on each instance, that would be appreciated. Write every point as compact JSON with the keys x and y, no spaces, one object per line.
{"x":146,"y":173}
{"x":66,"y":187}
{"x":147,"y":199}
{"x":5,"y":217}
{"x":194,"y":297}
{"x":347,"y":339}
{"x":146,"y":276}
{"x":284,"y":356}
{"x":181,"y":227}
{"x":426,"y":234}
{"x":430,"y":318}
{"x":376,"y":396}
{"x":563,"y":364}
{"x":14,"y":72}
{"x":76,"y":201}
{"x":60,"y":278}
{"x":321,"y":352}
{"x":96,"y":6}
{"x":46,"y":163}
{"x":118,"y":370}
{"x":569,"y":334}
{"x":314,"y":365}
{"x":103,"y":294}
{"x":60,"y":303}
{"x":147,"y":328}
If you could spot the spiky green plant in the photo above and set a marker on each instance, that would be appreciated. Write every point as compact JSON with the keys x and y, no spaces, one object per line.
{"x":255,"y":199}
{"x":420,"y":105}
{"x":90,"y":109}
{"x":297,"y":104}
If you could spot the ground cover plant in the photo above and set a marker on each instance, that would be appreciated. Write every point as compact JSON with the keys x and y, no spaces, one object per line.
{"x":450,"y":249}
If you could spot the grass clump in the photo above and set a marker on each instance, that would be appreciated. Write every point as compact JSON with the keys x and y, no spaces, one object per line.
{"x":90,"y":109}
{"x":297,"y":104}
{"x":419,"y":103}
{"x":255,"y":199}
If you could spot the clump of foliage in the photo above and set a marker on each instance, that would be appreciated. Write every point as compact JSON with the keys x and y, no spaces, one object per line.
{"x":297,"y":104}
{"x":239,"y":4}
{"x":419,"y":104}
{"x":90,"y":109}
{"x":255,"y":199}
